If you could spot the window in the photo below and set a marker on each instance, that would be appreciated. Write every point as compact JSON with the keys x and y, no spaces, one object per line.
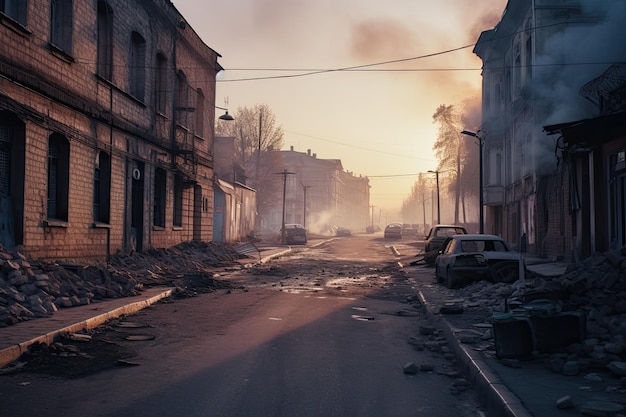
{"x":160,"y":87}
{"x":58,"y":177}
{"x":178,"y":200}
{"x":105,"y":40}
{"x":5,"y":160}
{"x":15,"y":9}
{"x":61,"y":24}
{"x":182,"y":99}
{"x":137,"y":71}
{"x":102,"y":188}
{"x":200,"y":114}
{"x":160,"y":178}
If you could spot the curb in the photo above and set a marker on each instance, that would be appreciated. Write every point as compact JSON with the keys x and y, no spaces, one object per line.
{"x":13,"y":353}
{"x":498,"y":400}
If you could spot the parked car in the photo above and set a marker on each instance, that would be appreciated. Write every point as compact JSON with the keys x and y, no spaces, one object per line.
{"x":393,"y":231}
{"x":439,"y":233}
{"x":294,"y":234}
{"x":343,"y":231}
{"x":470,"y":257}
{"x":409,"y":230}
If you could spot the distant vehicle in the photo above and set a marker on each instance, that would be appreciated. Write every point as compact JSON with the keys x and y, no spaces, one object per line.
{"x":409,"y":230}
{"x":372,"y":228}
{"x":439,"y":233}
{"x":465,"y":258}
{"x":393,"y":231}
{"x":343,"y":231}
{"x":294,"y":234}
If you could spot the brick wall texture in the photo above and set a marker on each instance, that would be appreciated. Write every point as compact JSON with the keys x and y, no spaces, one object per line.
{"x":47,"y":90}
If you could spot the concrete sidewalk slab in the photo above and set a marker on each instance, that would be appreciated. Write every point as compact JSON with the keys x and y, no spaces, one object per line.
{"x":15,"y":339}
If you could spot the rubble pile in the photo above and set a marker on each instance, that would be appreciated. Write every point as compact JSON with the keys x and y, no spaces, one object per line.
{"x":32,"y":289}
{"x":596,"y":287}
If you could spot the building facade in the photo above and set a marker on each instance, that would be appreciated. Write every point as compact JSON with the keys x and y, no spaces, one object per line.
{"x":535,"y":61}
{"x":320,"y":194}
{"x":235,"y":206}
{"x":106,"y":127}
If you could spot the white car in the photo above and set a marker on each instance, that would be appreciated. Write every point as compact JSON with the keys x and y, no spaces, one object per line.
{"x":465,"y":258}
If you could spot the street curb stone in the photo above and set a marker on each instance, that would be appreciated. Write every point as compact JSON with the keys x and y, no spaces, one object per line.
{"x":12,"y":353}
{"x":498,"y":400}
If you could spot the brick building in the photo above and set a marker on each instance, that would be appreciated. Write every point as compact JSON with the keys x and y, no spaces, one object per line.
{"x":320,"y":194}
{"x":106,"y":127}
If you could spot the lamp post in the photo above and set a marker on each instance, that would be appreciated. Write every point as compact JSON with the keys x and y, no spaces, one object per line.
{"x":480,"y":174}
{"x":438,"y":205}
{"x":304,"y":187}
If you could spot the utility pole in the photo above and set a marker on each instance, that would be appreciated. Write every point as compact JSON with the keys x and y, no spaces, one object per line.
{"x":282,"y":229}
{"x":258,"y":152}
{"x":304,"y":187}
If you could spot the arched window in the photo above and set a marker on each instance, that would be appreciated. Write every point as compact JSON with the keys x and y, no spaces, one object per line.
{"x":61,"y":16}
{"x":160,"y":87}
{"x":105,"y":40}
{"x":102,"y":188}
{"x":137,"y":71}
{"x":160,"y":193}
{"x":58,"y":177}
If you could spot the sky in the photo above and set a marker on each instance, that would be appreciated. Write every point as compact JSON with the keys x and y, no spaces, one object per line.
{"x":377,"y":119}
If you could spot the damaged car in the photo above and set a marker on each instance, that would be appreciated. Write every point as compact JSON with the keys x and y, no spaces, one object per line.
{"x":471,"y":257}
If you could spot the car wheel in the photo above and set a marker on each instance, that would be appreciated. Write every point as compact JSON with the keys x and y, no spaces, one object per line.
{"x":451,"y":281}
{"x":437,"y":276}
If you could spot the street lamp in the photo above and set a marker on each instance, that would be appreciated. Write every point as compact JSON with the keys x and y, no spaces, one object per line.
{"x":438,"y":205}
{"x":225,"y":116}
{"x":480,"y":179}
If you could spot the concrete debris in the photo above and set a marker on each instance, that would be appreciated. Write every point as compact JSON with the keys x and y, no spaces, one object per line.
{"x":589,"y":300}
{"x":410,"y":368}
{"x":601,"y":408}
{"x":617,"y":367}
{"x":31,"y":289}
{"x":565,"y":402}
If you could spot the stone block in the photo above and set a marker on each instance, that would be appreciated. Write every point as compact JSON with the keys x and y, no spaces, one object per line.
{"x":570,"y":368}
{"x":565,"y":402}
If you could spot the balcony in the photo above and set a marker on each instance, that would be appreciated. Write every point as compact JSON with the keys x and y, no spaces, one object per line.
{"x":494,"y":195}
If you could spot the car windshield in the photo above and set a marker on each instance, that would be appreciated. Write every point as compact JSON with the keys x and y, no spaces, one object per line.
{"x":483,"y":246}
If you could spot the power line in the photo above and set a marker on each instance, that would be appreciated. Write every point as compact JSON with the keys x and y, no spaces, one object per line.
{"x":358,"y":147}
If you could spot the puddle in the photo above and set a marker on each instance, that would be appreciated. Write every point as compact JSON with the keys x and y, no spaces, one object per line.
{"x":300,"y":290}
{"x":362,"y":318}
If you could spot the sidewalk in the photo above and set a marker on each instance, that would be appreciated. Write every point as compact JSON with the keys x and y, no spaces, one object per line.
{"x":16,"y":339}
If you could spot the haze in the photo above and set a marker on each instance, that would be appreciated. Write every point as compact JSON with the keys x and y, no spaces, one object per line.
{"x":376,"y":119}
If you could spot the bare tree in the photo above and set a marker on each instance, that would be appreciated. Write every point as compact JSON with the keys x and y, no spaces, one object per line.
{"x":414,"y":207}
{"x":257,"y":142}
{"x":255,"y":131}
{"x":450,"y":149}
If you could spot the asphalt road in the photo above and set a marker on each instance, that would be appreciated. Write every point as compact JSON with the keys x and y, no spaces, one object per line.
{"x":322,"y":332}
